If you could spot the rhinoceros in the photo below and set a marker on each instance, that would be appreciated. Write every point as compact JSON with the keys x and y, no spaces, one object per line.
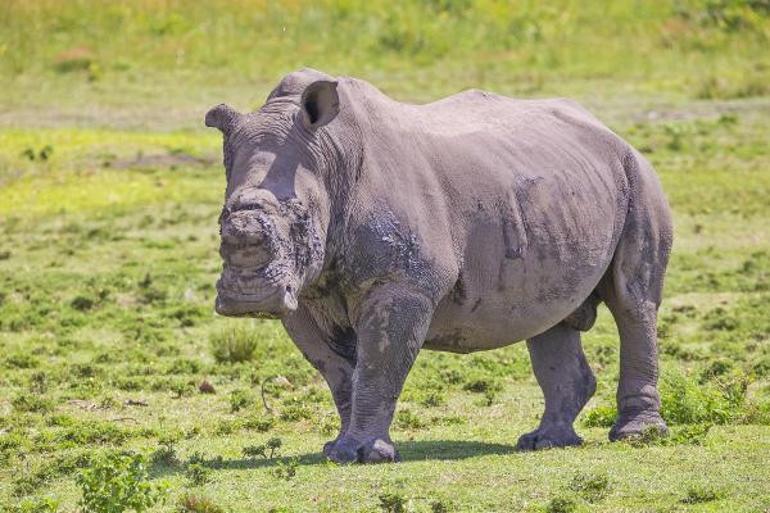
{"x":374,"y":229}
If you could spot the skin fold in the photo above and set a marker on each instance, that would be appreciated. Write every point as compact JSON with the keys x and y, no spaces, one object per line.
{"x":373,"y":229}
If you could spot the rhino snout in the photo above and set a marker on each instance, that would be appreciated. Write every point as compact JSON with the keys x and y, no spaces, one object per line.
{"x":247,"y":241}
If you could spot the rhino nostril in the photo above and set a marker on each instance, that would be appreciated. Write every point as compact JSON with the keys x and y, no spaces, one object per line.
{"x":243,"y":228}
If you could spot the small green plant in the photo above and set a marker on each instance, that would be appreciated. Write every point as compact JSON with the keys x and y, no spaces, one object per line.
{"x":407,"y":419}
{"x":433,"y":398}
{"x":191,"y":503}
{"x":181,"y":388}
{"x":286,"y":469}
{"x":165,"y":454}
{"x":592,"y":487}
{"x":260,"y":424}
{"x":697,"y":494}
{"x":561,"y":505}
{"x":267,"y":450}
{"x":82,"y":303}
{"x":273,"y":445}
{"x":691,"y":434}
{"x":254,"y":451}
{"x":601,"y":416}
{"x":198,"y":474}
{"x":440,"y":506}
{"x":117,"y":482}
{"x":38,"y":505}
{"x":32,"y":403}
{"x":240,"y":399}
{"x":233,"y":345}
{"x":392,"y":502}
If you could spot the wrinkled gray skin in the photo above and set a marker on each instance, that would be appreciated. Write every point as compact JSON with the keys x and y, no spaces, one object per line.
{"x":374,"y":229}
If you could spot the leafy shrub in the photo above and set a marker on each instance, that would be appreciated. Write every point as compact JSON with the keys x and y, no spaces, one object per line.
{"x":233,"y":345}
{"x":117,"y":482}
{"x":687,"y":401}
{"x":267,"y":450}
{"x":684,"y":401}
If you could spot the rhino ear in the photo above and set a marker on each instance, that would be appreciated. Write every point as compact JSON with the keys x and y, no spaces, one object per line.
{"x":320,"y":104}
{"x":222,"y":117}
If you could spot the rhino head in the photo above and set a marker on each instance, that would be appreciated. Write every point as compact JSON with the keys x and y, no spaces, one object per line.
{"x":277,"y":209}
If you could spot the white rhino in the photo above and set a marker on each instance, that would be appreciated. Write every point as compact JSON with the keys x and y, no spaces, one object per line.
{"x":374,"y":229}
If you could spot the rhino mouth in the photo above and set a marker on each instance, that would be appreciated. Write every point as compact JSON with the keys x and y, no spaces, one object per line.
{"x":241,"y":294}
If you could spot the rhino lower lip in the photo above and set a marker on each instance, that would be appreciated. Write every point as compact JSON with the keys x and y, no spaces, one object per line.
{"x":239,"y":297}
{"x":276,"y":301}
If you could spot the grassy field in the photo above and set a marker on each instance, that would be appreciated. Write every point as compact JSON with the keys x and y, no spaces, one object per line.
{"x":109,"y":193}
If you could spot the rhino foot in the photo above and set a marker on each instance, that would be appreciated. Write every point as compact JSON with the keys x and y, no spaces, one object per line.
{"x":637,"y":424}
{"x":548,"y":437}
{"x":349,"y":450}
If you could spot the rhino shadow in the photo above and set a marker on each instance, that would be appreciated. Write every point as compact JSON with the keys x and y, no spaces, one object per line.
{"x":430,"y":450}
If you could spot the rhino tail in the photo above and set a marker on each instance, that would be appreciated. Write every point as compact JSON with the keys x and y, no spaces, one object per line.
{"x":584,"y":317}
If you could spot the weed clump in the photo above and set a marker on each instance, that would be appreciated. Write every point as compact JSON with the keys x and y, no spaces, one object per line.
{"x":116,"y":482}
{"x":407,"y":419}
{"x":697,"y":494}
{"x":233,"y":345}
{"x":717,"y":397}
{"x":165,"y":454}
{"x":191,"y":503}
{"x":561,"y":505}
{"x":601,"y":416}
{"x":286,"y":470}
{"x":592,"y":487}
{"x":36,"y":505}
{"x":32,"y":404}
{"x":197,"y":474}
{"x":392,"y":502}
{"x":240,"y":399}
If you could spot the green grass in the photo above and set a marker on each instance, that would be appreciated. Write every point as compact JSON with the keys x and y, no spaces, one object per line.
{"x":109,"y":194}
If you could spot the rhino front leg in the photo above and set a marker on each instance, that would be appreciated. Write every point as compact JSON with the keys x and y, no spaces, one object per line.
{"x":567,"y":382}
{"x":333,"y":355}
{"x":391,"y":325}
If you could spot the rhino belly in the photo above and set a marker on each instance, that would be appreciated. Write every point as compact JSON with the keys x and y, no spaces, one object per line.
{"x":504,"y":295}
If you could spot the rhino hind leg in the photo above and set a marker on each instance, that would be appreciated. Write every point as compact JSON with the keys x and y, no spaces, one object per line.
{"x":632,"y":290}
{"x":567,"y":382}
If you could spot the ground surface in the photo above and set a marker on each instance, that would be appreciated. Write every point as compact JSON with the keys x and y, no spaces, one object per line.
{"x":109,"y":195}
